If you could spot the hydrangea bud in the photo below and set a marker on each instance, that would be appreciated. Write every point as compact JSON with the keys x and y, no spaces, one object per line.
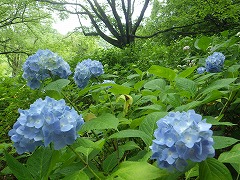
{"x":182,"y":136}
{"x":185,"y":48}
{"x":44,"y":64}
{"x":214,"y":63}
{"x":201,"y":70}
{"x":46,"y":121}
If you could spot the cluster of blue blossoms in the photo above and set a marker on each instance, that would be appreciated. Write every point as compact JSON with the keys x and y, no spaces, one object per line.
{"x":85,"y":70}
{"x":42,"y":65}
{"x":181,"y":137}
{"x":214,"y":63}
{"x":46,"y":121}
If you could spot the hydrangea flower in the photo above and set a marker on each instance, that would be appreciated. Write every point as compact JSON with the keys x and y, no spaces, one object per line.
{"x":46,"y":121}
{"x":201,"y":70}
{"x":42,"y":65}
{"x":214,"y":63}
{"x":182,"y":136}
{"x":85,"y":70}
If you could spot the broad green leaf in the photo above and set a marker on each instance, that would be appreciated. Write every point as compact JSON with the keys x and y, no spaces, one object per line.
{"x":187,"y":72}
{"x":39,"y":162}
{"x":111,"y":161}
{"x":84,"y":150}
{"x":137,"y":170}
{"x":173,"y":99}
{"x":162,"y":72}
{"x":132,"y":133}
{"x":155,"y":84}
{"x":214,"y":95}
{"x":105,"y":121}
{"x":119,"y":89}
{"x":212,"y":169}
{"x":213,"y":121}
{"x":236,"y":167}
{"x":149,"y":125}
{"x":187,"y":85}
{"x":139,"y":85}
{"x":188,"y":106}
{"x":222,"y":141}
{"x":152,"y":107}
{"x":218,"y":84}
{"x":79,"y":175}
{"x":193,"y":172}
{"x":133,"y":76}
{"x":57,"y":85}
{"x":232,"y":156}
{"x":18,"y":169}
{"x":202,"y":43}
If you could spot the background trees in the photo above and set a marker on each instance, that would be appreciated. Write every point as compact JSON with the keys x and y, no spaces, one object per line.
{"x":114,"y":21}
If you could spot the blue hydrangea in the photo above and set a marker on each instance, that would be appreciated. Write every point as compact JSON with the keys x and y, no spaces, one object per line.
{"x":201,"y":70}
{"x":95,"y":67}
{"x":182,"y":136}
{"x":85,"y":70}
{"x":214,"y":63}
{"x":82,"y":75}
{"x":42,"y":65}
{"x":46,"y":121}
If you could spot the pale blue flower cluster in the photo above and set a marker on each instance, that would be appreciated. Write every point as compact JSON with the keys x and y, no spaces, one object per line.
{"x":201,"y":70}
{"x":46,"y":121}
{"x":213,"y":63}
{"x":44,"y":64}
{"x":182,"y":136}
{"x":85,"y":70}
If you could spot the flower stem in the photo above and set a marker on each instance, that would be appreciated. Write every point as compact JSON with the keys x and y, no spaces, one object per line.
{"x":86,"y":163}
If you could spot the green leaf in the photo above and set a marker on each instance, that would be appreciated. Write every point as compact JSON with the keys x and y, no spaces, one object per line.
{"x":162,"y":72}
{"x":232,"y":156}
{"x":186,"y":85}
{"x":222,"y":141}
{"x":213,"y":121}
{"x":212,"y":169}
{"x":39,"y":162}
{"x":119,"y":89}
{"x":132,"y":133}
{"x":18,"y":169}
{"x":57,"y":85}
{"x":188,"y":106}
{"x":149,"y":125}
{"x":187,"y":72}
{"x":79,"y":175}
{"x":218,"y":84}
{"x":105,"y":121}
{"x":202,"y":43}
{"x":156,"y":84}
{"x":236,"y":167}
{"x":111,"y":161}
{"x":137,"y":170}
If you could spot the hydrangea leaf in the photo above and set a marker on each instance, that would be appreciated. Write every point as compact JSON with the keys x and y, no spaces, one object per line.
{"x":156,"y":84}
{"x":232,"y":156}
{"x":214,"y":170}
{"x":214,"y":121}
{"x":186,"y":85}
{"x":18,"y":169}
{"x":202,"y":43}
{"x":132,"y":133}
{"x":138,"y":170}
{"x":148,"y":125}
{"x":105,"y":121}
{"x":57,"y":85}
{"x":187,"y":72}
{"x":77,"y":175}
{"x":162,"y":72}
{"x":218,"y":84}
{"x":119,"y":89}
{"x":222,"y":141}
{"x":39,"y":162}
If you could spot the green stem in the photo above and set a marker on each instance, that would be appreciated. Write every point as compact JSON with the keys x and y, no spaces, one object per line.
{"x":70,"y":102}
{"x":86,"y":163}
{"x":109,"y":101}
